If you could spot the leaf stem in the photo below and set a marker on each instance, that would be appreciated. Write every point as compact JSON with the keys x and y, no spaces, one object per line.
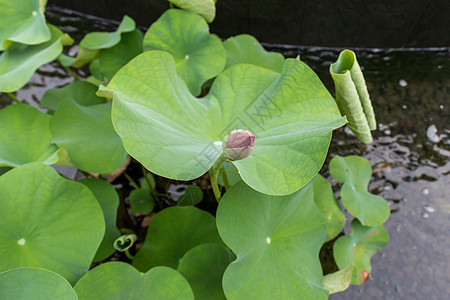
{"x":224,"y":178}
{"x":152,"y":190}
{"x":11,"y":95}
{"x":214,"y":174}
{"x":128,"y":255}
{"x":133,"y":183}
{"x":68,"y":70}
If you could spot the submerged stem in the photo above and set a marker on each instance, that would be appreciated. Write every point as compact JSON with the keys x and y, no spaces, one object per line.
{"x":11,"y":95}
{"x":68,"y":70}
{"x":131,"y":180}
{"x":153,"y":191}
{"x":215,"y":173}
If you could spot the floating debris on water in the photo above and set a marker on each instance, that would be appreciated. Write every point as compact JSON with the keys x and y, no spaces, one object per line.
{"x":429,"y":209}
{"x":425,"y":191}
{"x":402,"y":83}
{"x":432,"y":134}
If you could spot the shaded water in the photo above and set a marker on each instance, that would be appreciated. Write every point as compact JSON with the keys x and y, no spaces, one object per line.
{"x":410,"y":91}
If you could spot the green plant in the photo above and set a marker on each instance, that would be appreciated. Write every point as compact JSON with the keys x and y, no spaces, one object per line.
{"x":181,"y":103}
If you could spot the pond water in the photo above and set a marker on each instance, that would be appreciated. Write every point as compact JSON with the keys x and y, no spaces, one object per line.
{"x":410,"y":90}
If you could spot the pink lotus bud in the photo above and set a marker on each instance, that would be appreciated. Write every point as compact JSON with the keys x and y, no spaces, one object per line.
{"x":238,"y":144}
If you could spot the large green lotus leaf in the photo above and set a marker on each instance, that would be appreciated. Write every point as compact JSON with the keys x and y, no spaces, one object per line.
{"x":34,"y":283}
{"x":86,"y":132}
{"x":355,"y":172}
{"x":358,"y":248}
{"x":198,"y":54}
{"x":48,"y":222}
{"x":114,"y":58}
{"x":178,"y":136}
{"x":108,"y":199}
{"x":204,"y":8}
{"x":352,"y":96}
{"x":118,"y":280}
{"x":26,"y":136}
{"x":277,"y":242}
{"x":94,"y":41}
{"x":328,"y":206}
{"x":79,"y":91}
{"x":23,"y":21}
{"x":173,"y":232}
{"x":338,"y":281}
{"x":19,"y":62}
{"x":245,"y":49}
{"x":203,"y":267}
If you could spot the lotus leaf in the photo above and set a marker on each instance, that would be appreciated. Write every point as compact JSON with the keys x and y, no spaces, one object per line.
{"x":34,"y":283}
{"x":86,"y":132}
{"x":23,"y":21}
{"x":108,"y":199}
{"x":204,"y":8}
{"x":358,"y":248}
{"x":355,"y":172}
{"x":173,"y":232}
{"x":118,"y":280}
{"x":198,"y":54}
{"x":48,"y":221}
{"x":203,"y":267}
{"x":277,"y":242}
{"x":246,"y":49}
{"x":28,"y":138}
{"x":178,"y":136}
{"x":328,"y":206}
{"x":19,"y":62}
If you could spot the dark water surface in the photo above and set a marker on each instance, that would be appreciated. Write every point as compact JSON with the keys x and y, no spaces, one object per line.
{"x":410,"y":90}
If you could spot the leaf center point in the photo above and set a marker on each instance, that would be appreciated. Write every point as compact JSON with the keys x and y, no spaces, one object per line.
{"x":21,"y":242}
{"x":268,"y":240}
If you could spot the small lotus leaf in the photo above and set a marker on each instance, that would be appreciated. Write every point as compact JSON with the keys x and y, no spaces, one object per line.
{"x":198,"y":54}
{"x":108,"y":199}
{"x":203,"y":267}
{"x":204,"y":8}
{"x":23,"y":21}
{"x":338,"y":281}
{"x":352,"y":96}
{"x":118,"y":280}
{"x":358,"y":248}
{"x":141,"y":201}
{"x":178,"y":136}
{"x":19,"y":62}
{"x":34,"y":283}
{"x":328,"y":206}
{"x":192,"y":196}
{"x":114,"y":58}
{"x":86,"y":132}
{"x":94,"y":41}
{"x":355,"y":172}
{"x":245,"y":49}
{"x":277,"y":242}
{"x":48,"y":221}
{"x":27,"y":138}
{"x":78,"y":91}
{"x":173,"y":232}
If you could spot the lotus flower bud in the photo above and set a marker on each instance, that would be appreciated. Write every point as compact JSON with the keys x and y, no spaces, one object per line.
{"x":238,"y":144}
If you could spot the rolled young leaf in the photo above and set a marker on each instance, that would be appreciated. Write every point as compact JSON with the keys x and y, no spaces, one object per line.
{"x":352,"y":96}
